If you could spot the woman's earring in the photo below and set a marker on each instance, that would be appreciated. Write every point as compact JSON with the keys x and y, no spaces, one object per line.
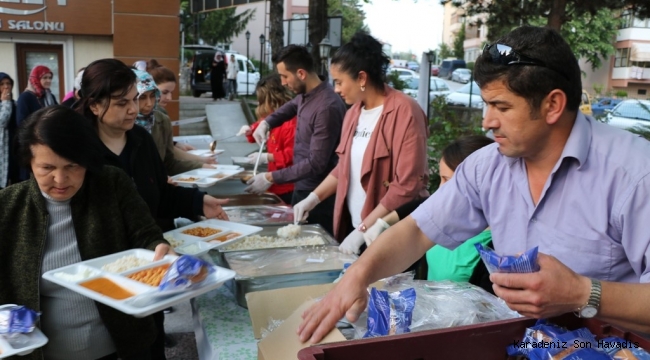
{"x":363,"y":88}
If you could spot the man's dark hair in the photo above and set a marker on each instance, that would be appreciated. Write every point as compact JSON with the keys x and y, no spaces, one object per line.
{"x":295,"y":57}
{"x":64,"y":131}
{"x":557,"y":69}
{"x":363,"y":53}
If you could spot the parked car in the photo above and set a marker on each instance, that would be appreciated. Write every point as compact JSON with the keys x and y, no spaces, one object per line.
{"x":461,"y":75}
{"x":201,"y":66}
{"x":404,"y":74}
{"x":598,"y":108}
{"x":412,"y":65}
{"x":435,"y":70}
{"x":585,"y":104}
{"x":438,"y":87}
{"x":629,"y":114}
{"x":448,"y":66}
{"x":468,"y":95}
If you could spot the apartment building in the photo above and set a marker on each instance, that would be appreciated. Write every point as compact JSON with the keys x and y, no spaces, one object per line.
{"x":630,"y":65}
{"x":66,"y":35}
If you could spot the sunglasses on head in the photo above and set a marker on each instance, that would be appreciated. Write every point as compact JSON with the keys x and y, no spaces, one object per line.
{"x":506,"y":55}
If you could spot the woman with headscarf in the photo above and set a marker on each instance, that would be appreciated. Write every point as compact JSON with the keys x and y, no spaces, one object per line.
{"x":37,"y":95}
{"x":7,"y":128}
{"x":217,"y":75}
{"x":159,"y":126}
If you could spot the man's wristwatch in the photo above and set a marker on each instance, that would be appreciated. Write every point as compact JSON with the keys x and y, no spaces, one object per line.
{"x":590,"y":309}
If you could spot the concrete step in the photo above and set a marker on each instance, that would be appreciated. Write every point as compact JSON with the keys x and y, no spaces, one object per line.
{"x":184,"y":114}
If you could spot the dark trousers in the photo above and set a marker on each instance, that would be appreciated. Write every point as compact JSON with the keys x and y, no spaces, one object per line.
{"x":232,"y":86}
{"x":157,"y":350}
{"x":322,"y":214}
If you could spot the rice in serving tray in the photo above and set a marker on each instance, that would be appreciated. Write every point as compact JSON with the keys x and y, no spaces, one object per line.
{"x":125,"y":263}
{"x":265,"y":242}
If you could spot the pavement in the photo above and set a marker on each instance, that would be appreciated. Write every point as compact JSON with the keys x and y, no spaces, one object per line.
{"x":224,"y":119}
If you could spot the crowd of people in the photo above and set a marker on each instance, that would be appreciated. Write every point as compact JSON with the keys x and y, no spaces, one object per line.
{"x":351,"y":157}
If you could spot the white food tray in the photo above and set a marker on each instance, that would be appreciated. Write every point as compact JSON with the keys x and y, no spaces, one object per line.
{"x":206,"y":153}
{"x":240,"y":160}
{"x":194,"y":245}
{"x":204,"y":177}
{"x":35,"y":340}
{"x":141,"y":304}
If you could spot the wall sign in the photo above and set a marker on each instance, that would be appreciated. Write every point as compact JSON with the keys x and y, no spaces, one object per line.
{"x":10,"y":11}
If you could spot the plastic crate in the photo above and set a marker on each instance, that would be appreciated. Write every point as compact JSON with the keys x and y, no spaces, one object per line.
{"x":482,"y":341}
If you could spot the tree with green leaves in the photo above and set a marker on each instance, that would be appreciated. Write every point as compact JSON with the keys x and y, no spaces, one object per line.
{"x":556,"y":12}
{"x":459,"y":43}
{"x":213,"y":27}
{"x":590,"y":37}
{"x":352,"y":14}
{"x":219,"y":26}
{"x":444,"y":51}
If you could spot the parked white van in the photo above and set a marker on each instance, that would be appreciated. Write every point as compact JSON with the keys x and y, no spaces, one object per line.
{"x":201,"y":65}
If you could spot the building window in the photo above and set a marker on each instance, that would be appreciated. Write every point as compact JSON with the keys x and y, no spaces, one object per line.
{"x":641,"y":64}
{"x":626,"y":20}
{"x":641,"y":92}
{"x":622,"y":57}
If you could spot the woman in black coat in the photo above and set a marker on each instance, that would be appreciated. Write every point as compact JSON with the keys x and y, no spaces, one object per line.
{"x":217,"y":75}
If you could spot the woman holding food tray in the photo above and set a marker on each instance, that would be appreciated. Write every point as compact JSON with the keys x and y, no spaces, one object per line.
{"x":109,"y":98}
{"x":72,"y":209}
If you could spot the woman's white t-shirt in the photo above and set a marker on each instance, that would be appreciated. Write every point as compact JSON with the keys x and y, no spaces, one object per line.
{"x":356,"y":195}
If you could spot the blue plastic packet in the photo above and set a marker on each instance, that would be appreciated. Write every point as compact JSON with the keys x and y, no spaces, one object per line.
{"x":390,"y":313}
{"x":17,"y":320}
{"x":620,"y":349}
{"x":524,"y":263}
{"x":578,"y":344}
{"x":542,"y":334}
{"x":184,"y":272}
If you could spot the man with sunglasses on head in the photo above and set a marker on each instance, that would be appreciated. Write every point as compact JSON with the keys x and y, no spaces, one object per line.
{"x":320,"y":113}
{"x":556,"y":179}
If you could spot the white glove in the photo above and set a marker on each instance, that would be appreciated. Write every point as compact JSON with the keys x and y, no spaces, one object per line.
{"x":264,"y":158}
{"x":261,"y":133}
{"x":258,"y":184}
{"x":352,"y":243}
{"x":301,"y":210}
{"x":244,"y":129}
{"x":375,"y":230}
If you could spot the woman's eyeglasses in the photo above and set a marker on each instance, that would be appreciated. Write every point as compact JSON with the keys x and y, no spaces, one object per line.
{"x":506,"y":55}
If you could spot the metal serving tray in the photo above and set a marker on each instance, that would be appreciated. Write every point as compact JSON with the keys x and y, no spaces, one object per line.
{"x":253,"y":199}
{"x":294,"y":267}
{"x":260,"y":215}
{"x":305,"y":230}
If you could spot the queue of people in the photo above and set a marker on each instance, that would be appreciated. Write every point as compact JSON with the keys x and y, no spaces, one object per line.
{"x":552,"y":178}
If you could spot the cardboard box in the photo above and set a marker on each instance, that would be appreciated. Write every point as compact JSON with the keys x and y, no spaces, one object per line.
{"x":284,"y":304}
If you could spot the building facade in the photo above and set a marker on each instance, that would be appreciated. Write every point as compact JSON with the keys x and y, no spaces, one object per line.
{"x":66,"y":35}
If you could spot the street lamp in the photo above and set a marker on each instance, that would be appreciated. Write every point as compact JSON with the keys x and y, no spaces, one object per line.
{"x":431,"y":57}
{"x":262,"y":41}
{"x":324,"y":48}
{"x":248,"y":39}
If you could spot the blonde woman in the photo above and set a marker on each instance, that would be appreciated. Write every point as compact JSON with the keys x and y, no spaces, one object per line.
{"x":270,"y":96}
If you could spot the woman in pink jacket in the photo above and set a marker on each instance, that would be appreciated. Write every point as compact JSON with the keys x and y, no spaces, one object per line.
{"x":383,"y":149}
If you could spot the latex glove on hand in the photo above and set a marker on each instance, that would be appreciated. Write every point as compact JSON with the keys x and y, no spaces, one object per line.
{"x":264,"y":158}
{"x":261,"y":133}
{"x":352,"y":243}
{"x":375,"y":230}
{"x":258,"y":184}
{"x":301,"y":210}
{"x":244,"y":130}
